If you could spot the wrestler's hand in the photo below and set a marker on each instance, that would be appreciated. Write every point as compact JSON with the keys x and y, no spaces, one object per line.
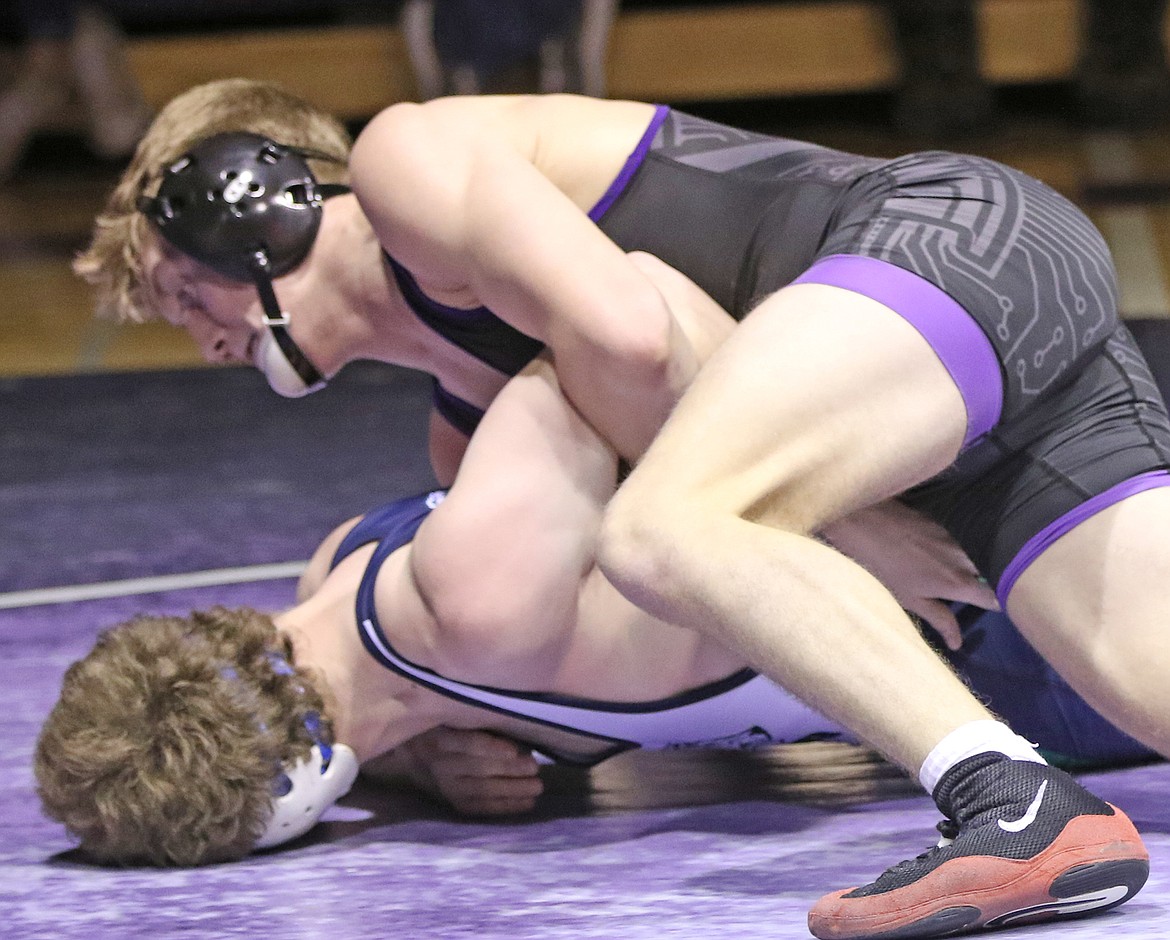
{"x":918,"y":562}
{"x":477,"y":772}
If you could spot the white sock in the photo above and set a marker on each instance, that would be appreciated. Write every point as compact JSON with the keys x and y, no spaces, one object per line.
{"x":975,"y":737}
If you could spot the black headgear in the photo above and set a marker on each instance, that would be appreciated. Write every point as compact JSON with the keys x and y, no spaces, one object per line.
{"x":248,"y":208}
{"x":236,"y":194}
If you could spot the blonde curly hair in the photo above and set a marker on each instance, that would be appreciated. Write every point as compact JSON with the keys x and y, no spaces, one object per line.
{"x":168,"y":736}
{"x":112,"y":263}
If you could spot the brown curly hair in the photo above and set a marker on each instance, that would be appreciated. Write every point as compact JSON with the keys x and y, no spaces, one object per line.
{"x":112,"y":263}
{"x":167,"y":737}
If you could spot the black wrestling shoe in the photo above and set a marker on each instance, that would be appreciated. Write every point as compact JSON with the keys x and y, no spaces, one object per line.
{"x":1023,"y":843}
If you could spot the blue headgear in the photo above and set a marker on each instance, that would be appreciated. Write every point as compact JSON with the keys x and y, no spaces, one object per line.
{"x":249,"y":209}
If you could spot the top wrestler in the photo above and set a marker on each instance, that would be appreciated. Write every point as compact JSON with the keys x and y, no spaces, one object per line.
{"x":167,"y":735}
{"x":887,"y":297}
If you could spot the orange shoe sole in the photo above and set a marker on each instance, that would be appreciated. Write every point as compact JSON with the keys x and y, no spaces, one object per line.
{"x":1096,"y":863}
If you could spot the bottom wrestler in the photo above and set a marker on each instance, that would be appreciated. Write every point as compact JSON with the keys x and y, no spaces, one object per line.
{"x":191,"y":740}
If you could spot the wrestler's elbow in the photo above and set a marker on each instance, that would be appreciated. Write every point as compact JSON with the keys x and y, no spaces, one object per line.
{"x":641,"y":340}
{"x":624,"y":381}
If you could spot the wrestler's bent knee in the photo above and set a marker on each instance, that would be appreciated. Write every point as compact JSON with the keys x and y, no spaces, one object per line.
{"x":639,"y":546}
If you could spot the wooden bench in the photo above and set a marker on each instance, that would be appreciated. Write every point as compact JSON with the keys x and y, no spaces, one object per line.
{"x":671,"y":54}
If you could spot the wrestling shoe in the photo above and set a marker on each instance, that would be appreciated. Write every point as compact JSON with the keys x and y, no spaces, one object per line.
{"x":1023,"y":843}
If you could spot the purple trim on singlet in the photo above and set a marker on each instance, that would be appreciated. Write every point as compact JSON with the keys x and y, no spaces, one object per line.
{"x":1036,"y":545}
{"x":633,"y":161}
{"x":953,"y":334}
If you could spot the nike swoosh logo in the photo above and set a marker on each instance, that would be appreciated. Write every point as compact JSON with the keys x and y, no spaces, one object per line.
{"x":1029,"y":817}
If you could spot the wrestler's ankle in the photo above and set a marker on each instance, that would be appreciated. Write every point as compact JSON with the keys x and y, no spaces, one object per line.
{"x":974,"y":737}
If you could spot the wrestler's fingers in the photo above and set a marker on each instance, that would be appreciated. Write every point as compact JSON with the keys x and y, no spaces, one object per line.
{"x":941,"y":619}
{"x":493,"y":788}
{"x":492,"y":796}
{"x":478,"y":744}
{"x":976,"y":591}
{"x":963,"y":581}
{"x":470,"y":768}
{"x":481,"y":767}
{"x":440,"y":746}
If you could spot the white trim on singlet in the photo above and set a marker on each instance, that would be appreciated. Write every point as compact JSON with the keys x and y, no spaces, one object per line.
{"x":744,"y":710}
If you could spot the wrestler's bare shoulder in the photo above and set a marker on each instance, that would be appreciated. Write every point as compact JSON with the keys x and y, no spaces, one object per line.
{"x":534,"y":114}
{"x":579,"y":143}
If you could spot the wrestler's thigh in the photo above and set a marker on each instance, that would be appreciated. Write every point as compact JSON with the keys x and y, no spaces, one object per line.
{"x":1007,"y":674}
{"x":822,"y":400}
{"x":1096,"y":604}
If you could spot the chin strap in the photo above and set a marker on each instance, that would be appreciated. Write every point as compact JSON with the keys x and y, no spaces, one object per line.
{"x":309,"y":376}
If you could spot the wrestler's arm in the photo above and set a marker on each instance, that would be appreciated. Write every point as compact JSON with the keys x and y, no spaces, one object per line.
{"x":499,"y":562}
{"x":487,"y":580}
{"x":503,"y":557}
{"x":476,"y":772}
{"x":498,"y":565}
{"x":451,"y":195}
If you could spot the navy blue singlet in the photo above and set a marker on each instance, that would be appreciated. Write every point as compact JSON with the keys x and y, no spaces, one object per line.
{"x":745,"y":709}
{"x":742,"y":710}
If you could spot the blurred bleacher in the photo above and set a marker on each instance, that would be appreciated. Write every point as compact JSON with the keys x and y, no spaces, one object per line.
{"x":819,"y":70}
{"x":351,"y":59}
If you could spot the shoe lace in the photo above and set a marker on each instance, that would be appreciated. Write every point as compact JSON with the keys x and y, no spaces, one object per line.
{"x":948,"y":831}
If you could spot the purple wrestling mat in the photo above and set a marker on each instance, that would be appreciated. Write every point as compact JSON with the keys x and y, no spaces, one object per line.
{"x":118,"y":477}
